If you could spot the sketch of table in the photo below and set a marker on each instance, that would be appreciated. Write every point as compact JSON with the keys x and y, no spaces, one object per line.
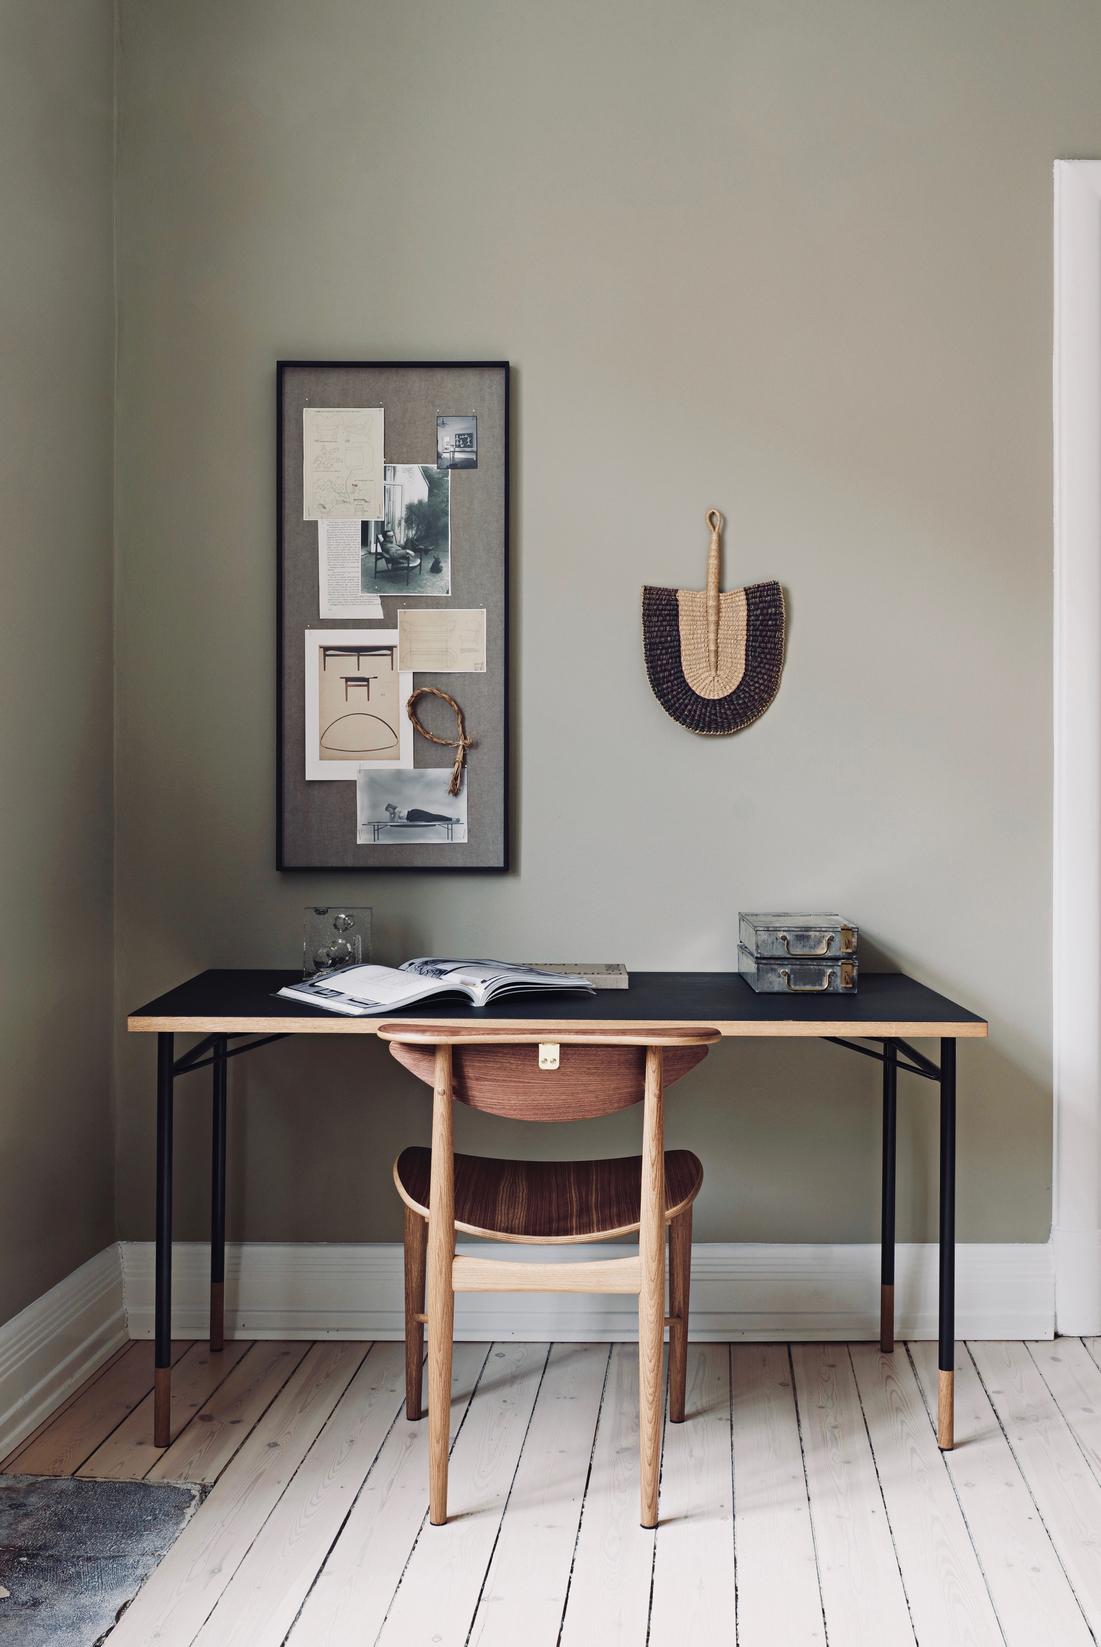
{"x":375,"y":650}
{"x":446,"y":824}
{"x":358,"y":680}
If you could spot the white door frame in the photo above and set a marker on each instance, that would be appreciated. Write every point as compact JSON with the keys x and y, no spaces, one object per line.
{"x":1076,"y":869}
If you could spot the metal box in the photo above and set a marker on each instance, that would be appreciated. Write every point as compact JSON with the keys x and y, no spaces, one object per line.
{"x":775,"y":975}
{"x":797,"y":937}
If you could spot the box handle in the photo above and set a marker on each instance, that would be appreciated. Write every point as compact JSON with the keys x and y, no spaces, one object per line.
{"x":823,"y":948}
{"x":807,"y":989}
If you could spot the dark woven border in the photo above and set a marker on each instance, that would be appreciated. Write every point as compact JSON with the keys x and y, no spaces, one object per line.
{"x":764,"y":661}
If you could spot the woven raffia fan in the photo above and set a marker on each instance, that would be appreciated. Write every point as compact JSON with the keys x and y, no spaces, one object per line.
{"x":714,"y":659}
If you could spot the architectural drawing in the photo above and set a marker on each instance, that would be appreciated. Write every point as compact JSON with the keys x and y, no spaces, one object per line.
{"x":342,"y":464}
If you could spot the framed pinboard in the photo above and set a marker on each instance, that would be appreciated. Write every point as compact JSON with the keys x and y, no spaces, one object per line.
{"x":392,"y":519}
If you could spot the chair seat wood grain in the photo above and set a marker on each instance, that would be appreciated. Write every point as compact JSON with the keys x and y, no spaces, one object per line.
{"x":552,"y":1201}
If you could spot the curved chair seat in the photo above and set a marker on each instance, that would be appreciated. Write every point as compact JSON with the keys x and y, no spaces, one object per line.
{"x":548,"y":1200}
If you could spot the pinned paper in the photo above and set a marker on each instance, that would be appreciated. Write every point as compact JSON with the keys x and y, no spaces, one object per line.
{"x":339,"y":555}
{"x":442,"y":641}
{"x":408,"y":550}
{"x":408,"y":808}
{"x":342,"y":463}
{"x":355,"y":699}
{"x":457,"y":441}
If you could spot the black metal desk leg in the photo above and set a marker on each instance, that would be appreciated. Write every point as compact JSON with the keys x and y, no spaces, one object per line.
{"x":162,"y":1359}
{"x":219,"y":1074}
{"x":946,"y":1355}
{"x":887,"y":1205}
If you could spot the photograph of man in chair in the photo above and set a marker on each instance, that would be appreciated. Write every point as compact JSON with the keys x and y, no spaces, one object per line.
{"x":409,"y":552}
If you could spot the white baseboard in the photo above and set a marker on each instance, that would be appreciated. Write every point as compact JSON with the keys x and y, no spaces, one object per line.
{"x":57,"y":1342}
{"x":753,"y":1292}
{"x":274,"y":1290}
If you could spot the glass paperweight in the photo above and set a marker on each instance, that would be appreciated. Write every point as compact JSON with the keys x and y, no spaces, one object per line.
{"x":335,"y":935}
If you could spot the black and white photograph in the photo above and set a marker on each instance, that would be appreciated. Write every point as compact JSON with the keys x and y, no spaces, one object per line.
{"x":457,"y":441}
{"x":397,"y":808}
{"x":408,"y":552}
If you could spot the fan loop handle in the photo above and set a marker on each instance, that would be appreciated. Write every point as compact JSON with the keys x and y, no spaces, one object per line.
{"x":714,"y":520}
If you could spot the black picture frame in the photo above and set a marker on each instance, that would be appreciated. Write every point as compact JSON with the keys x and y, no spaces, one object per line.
{"x":298,"y":849}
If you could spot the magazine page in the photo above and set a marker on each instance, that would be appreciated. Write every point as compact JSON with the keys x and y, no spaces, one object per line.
{"x":363,"y":989}
{"x":485,"y":979}
{"x":359,"y":991}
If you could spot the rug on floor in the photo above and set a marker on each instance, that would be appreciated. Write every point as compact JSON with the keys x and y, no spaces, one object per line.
{"x":73,"y":1553}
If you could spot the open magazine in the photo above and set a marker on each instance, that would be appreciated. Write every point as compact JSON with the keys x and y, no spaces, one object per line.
{"x":359,"y":991}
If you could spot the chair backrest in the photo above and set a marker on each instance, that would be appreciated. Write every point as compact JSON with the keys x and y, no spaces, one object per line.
{"x":498,"y":1071}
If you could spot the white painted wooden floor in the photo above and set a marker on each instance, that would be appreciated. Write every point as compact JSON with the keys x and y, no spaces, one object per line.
{"x":803,"y":1501}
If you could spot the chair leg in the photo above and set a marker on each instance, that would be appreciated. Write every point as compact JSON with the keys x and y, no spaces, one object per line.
{"x":680,"y":1281}
{"x":651,"y":1341}
{"x":416,"y":1248}
{"x":441,"y":1326}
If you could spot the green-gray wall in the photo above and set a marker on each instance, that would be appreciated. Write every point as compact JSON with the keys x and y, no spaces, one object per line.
{"x":790,"y":261}
{"x":56,"y":736}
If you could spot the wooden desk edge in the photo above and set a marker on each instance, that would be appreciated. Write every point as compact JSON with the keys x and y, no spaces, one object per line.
{"x":731,"y":1029}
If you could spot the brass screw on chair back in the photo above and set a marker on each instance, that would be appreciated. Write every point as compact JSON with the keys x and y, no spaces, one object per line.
{"x":557,"y":1073}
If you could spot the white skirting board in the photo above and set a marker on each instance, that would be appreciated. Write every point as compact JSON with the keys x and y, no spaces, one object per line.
{"x":57,"y":1342}
{"x":274,"y":1290}
{"x":753,"y":1292}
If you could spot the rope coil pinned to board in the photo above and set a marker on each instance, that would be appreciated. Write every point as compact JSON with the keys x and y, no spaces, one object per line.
{"x":460,"y":744}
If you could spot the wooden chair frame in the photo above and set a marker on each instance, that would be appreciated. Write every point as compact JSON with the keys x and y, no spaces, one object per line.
{"x":430,"y":1253}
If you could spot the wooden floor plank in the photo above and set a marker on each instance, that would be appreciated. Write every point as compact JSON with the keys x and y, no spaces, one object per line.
{"x":264,"y":1596}
{"x":356,"y":1585}
{"x":73,"y":1436}
{"x":1074,"y":1379}
{"x":778,"y":1595}
{"x":439,"y":1590}
{"x":693,"y":1594}
{"x":525,"y":1588}
{"x":609,"y":1595}
{"x":315,"y":1531}
{"x":8,"y":1464}
{"x":1030,"y":1591}
{"x":940,"y":1570}
{"x":128,"y":1453}
{"x":177,"y":1599}
{"x":862,"y":1594}
{"x":202,"y":1451}
{"x":1067,"y":1494}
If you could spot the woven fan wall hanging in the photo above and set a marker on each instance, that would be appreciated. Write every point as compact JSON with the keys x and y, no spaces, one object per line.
{"x":714,"y":659}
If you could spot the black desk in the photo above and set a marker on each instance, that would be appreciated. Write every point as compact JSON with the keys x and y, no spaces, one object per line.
{"x":890,"y":1010}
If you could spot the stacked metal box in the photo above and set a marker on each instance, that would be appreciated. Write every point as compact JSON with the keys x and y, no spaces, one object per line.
{"x":790,"y":954}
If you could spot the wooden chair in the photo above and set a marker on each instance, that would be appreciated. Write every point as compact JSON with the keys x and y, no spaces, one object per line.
{"x":397,"y":560}
{"x":561,"y":1072}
